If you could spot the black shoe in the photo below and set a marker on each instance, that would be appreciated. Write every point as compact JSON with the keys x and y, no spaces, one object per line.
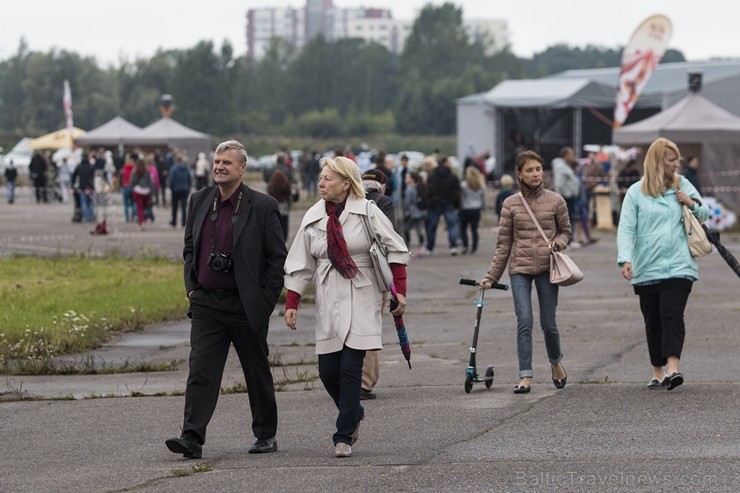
{"x":656,"y":384}
{"x":673,"y":380}
{"x":521,"y":389}
{"x":366,"y":395}
{"x":187,"y":445}
{"x":559,"y":384}
{"x":263,"y":446}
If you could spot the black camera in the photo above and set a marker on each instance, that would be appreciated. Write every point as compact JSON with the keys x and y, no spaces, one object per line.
{"x":220,"y":262}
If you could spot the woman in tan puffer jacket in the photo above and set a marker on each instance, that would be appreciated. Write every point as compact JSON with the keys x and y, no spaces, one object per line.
{"x":521,"y":245}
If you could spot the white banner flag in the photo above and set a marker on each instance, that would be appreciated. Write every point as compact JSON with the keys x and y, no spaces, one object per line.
{"x":639,"y":59}
{"x":67,"y":101}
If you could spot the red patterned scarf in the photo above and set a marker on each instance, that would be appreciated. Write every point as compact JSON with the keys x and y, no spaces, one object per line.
{"x":336,"y":245}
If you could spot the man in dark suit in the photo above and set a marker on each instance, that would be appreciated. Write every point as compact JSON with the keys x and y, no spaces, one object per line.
{"x":234,"y":256}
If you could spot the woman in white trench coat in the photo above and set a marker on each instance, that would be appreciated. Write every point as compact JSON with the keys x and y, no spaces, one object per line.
{"x":330,"y":251}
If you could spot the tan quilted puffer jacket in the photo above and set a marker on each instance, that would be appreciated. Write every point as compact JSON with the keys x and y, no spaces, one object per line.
{"x":519,"y":242}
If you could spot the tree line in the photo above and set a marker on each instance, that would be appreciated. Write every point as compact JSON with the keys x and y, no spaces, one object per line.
{"x":339,"y":88}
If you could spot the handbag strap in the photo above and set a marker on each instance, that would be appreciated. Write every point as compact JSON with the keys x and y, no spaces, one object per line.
{"x":369,"y":230}
{"x":534,"y":219}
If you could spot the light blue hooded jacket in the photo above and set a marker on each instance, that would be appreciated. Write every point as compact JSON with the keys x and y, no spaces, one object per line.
{"x":651,"y":234}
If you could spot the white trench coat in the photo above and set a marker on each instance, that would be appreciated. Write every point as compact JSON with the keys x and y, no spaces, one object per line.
{"x":348,"y":311}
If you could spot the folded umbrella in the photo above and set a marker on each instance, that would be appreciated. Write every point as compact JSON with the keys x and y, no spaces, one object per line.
{"x":713,"y":237}
{"x":403,"y":337}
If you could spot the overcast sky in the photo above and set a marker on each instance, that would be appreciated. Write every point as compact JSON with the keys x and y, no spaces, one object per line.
{"x":111,"y":30}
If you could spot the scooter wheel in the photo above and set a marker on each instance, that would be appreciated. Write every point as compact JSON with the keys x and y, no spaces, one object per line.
{"x":489,"y":377}
{"x":468,"y":383}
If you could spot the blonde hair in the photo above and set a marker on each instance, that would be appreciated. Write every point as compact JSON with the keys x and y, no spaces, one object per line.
{"x":348,"y":170}
{"x":474,"y":178}
{"x":507,"y":181}
{"x":653,"y":181}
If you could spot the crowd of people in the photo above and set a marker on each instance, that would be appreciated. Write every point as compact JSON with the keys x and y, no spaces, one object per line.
{"x":238,"y":258}
{"x":237,"y":264}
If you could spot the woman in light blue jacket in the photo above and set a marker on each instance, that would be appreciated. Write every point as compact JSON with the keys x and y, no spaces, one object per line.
{"x":653,"y":253}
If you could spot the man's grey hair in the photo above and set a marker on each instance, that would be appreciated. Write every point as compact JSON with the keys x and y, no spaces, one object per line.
{"x":232,"y":145}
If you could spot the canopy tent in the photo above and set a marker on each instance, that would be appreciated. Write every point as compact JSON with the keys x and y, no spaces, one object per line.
{"x":167,"y":131}
{"x":696,"y":122}
{"x":565,"y":93}
{"x":117,"y":131}
{"x":57,"y":140}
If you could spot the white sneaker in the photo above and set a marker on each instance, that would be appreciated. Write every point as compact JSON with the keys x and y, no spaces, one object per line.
{"x":342,"y":450}
{"x":575,"y":244}
{"x":424,"y":252}
{"x":453,"y":251}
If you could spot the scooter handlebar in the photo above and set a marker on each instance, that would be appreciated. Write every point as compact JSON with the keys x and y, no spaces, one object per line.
{"x":473,"y":282}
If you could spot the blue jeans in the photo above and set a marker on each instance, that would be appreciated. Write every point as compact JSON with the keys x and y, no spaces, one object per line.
{"x":450,"y":214}
{"x":87,"y":206}
{"x":128,"y":203}
{"x":11,"y":192}
{"x":547,"y":295}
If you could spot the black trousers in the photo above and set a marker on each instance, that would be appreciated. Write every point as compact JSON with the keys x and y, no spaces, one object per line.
{"x":179,"y":200}
{"x":218,"y":320}
{"x":662,"y":307}
{"x":341,"y":374}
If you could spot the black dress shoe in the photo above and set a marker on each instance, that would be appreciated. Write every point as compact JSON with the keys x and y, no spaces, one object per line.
{"x":673,"y":380}
{"x":366,"y":395}
{"x":559,"y":384}
{"x":263,"y":446}
{"x":187,"y":445}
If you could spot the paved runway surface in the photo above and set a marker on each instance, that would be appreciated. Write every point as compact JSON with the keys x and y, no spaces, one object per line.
{"x":605,"y":432}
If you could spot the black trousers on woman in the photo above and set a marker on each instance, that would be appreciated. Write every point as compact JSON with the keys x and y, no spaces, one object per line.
{"x":662,"y":307}
{"x":341,"y":374}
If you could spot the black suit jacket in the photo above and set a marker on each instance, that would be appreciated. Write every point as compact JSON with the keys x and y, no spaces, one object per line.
{"x":258,"y":252}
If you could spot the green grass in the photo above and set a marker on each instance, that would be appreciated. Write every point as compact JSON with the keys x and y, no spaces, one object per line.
{"x":54,"y":306}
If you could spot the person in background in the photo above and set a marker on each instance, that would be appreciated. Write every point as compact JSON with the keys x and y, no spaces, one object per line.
{"x":11,"y":175}
{"x":691,"y":171}
{"x":653,"y":253}
{"x":331,"y":252}
{"x":627,"y":176}
{"x":38,"y":170}
{"x":234,"y":256}
{"x":126,"y":193}
{"x":374,"y":182}
{"x":507,"y":189}
{"x":413,"y":212}
{"x":64,"y":177}
{"x":279,"y":188}
{"x":566,"y":183}
{"x":443,"y":196}
{"x":84,"y":178}
{"x":150,"y":161}
{"x":592,"y":175}
{"x":472,"y":203}
{"x":202,"y":169}
{"x":582,"y":216}
{"x":142,"y":186}
{"x":520,"y":244}
{"x":180,"y":184}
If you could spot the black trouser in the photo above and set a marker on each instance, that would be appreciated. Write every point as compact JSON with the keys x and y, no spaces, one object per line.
{"x":662,"y":307}
{"x":179,"y":199}
{"x":469,"y":217}
{"x":218,"y":320}
{"x":341,"y":374}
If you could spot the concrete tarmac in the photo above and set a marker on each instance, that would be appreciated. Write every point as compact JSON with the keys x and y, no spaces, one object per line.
{"x":605,"y":432}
